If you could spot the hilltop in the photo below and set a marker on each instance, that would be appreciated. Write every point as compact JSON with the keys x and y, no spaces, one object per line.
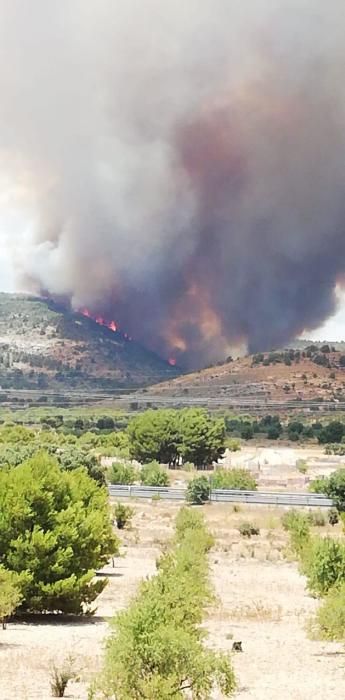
{"x":316,"y":373}
{"x":44,"y":346}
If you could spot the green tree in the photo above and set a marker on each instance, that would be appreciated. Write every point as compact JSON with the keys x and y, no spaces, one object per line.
{"x":202,"y":437}
{"x":10,"y":594}
{"x":198,"y":490}
{"x":153,"y":474}
{"x":155,"y":435}
{"x":233,"y":479}
{"x":333,"y":432}
{"x":335,"y":488}
{"x":71,"y":458}
{"x":55,"y":528}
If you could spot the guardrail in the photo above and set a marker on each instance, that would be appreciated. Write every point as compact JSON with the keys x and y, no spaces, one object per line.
{"x":311,"y":500}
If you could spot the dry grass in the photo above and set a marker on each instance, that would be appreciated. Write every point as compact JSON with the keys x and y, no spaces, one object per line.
{"x":261,"y":602}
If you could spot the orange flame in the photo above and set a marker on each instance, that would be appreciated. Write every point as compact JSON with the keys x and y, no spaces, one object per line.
{"x":112,"y":325}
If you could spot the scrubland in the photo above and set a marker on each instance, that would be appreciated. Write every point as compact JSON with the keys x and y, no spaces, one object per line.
{"x":261,"y":601}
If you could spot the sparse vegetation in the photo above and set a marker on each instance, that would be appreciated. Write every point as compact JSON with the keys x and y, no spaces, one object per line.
{"x":233,"y":479}
{"x":153,"y":474}
{"x":247,"y":529}
{"x":156,"y":649}
{"x":123,"y":515}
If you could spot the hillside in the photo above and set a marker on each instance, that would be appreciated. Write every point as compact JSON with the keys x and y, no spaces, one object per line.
{"x":294,"y":375}
{"x":44,"y":346}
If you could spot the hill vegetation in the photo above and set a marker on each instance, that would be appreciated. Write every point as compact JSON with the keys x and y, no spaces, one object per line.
{"x":45,"y":346}
{"x":314,"y":374}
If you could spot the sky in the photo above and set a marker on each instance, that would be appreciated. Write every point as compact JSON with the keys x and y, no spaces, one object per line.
{"x":177,"y":167}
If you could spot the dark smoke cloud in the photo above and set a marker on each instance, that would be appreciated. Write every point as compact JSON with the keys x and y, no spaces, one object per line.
{"x":179,"y":166}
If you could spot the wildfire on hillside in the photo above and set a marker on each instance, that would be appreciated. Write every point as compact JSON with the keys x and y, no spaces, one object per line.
{"x":112,"y":325}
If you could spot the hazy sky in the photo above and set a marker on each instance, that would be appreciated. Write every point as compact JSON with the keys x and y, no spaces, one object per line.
{"x":177,"y":166}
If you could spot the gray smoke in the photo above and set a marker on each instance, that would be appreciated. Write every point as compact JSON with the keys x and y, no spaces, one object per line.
{"x":179,"y":166}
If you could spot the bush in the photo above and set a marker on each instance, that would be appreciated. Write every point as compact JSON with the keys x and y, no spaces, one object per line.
{"x":247,"y":529}
{"x":329,"y":620}
{"x":153,"y":474}
{"x":55,"y":530}
{"x":335,"y":489}
{"x":123,"y":515}
{"x":302,"y":466}
{"x":297,"y":524}
{"x":156,"y":649}
{"x":233,"y":479}
{"x":333,"y":516}
{"x":233,"y":445}
{"x":198,"y":490}
{"x":323,"y":564}
{"x":61,"y":677}
{"x":319,"y":485}
{"x":122,"y":473}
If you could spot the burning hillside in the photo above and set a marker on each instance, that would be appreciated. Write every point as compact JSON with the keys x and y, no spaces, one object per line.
{"x":177,"y":172}
{"x":46,"y":346}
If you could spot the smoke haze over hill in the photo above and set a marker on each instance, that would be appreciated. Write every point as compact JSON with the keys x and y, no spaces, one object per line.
{"x":178,"y":166}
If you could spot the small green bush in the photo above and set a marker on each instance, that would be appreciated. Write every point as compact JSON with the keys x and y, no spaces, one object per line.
{"x":122,"y":473}
{"x":319,"y":485}
{"x":123,"y":515}
{"x":233,"y":445}
{"x":247,"y":529}
{"x":323,"y":563}
{"x":298,"y":526}
{"x":240,"y":479}
{"x":153,"y":474}
{"x":198,"y":490}
{"x":329,"y":622}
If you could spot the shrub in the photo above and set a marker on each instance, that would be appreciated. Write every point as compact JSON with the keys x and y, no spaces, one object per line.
{"x":55,"y":529}
{"x":156,"y":649}
{"x":233,"y":445}
{"x":123,"y":515}
{"x":329,"y":620}
{"x":319,"y":485}
{"x":122,"y":473}
{"x":302,"y":466}
{"x":323,"y":564}
{"x":233,"y":479}
{"x":333,"y":516}
{"x":247,"y":529}
{"x":297,"y":524}
{"x":198,"y":490}
{"x":153,"y":474}
{"x":59,"y":678}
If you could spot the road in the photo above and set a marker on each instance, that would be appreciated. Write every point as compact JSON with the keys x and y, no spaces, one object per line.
{"x":311,"y":500}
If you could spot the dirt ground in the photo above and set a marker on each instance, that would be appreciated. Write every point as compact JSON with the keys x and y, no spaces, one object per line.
{"x":261,"y":601}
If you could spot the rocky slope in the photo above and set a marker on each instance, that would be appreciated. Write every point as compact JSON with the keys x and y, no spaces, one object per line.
{"x":44,"y":346}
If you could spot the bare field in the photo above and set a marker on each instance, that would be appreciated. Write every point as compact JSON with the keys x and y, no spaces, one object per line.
{"x":261,"y":601}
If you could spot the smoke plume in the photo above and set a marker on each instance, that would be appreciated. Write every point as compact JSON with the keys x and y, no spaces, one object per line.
{"x":178,"y":166}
